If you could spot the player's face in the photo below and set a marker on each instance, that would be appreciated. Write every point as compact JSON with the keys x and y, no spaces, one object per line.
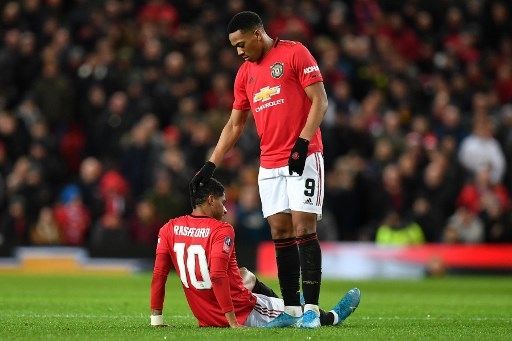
{"x":249,"y":45}
{"x":217,"y":207}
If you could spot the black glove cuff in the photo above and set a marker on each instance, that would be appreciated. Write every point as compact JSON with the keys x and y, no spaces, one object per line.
{"x":302,"y":145}
{"x":209,"y":167}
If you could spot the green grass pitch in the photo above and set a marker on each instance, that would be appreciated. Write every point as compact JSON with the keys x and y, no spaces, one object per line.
{"x":116,"y":308}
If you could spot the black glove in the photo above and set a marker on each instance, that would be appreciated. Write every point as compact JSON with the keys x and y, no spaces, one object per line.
{"x":204,"y":174}
{"x":298,"y":156}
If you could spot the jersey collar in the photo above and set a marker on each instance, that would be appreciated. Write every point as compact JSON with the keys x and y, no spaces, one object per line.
{"x":198,"y":216}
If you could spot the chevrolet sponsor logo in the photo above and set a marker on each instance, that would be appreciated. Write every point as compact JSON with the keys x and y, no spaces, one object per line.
{"x":266,"y":93}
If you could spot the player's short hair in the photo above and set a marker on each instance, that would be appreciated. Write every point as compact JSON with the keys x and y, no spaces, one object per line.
{"x":244,"y":21}
{"x":211,"y":187}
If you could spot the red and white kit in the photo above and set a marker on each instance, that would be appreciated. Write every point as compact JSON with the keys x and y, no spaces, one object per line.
{"x":202,"y":252}
{"x":273,"y":89}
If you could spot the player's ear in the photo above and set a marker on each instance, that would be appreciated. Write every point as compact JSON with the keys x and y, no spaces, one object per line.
{"x":257,"y":34}
{"x":210,"y":200}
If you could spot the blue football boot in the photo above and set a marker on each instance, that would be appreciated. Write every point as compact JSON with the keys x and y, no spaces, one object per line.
{"x":283,"y":320}
{"x":310,"y":319}
{"x":347,"y":304}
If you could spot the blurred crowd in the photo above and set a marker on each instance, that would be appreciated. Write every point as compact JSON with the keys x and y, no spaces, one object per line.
{"x":107,"y":109}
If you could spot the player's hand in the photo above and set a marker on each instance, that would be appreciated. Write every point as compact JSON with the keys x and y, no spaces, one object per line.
{"x":237,"y":326}
{"x":298,"y":156}
{"x":204,"y":174}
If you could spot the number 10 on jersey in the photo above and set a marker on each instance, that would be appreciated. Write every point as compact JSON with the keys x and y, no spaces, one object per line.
{"x":188,"y":265}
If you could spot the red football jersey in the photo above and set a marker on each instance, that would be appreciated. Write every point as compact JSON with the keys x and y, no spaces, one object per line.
{"x":194,"y":243}
{"x":273,"y":89}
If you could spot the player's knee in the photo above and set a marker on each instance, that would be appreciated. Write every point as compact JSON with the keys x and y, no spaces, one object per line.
{"x":305,"y":230}
{"x":282,"y":232}
{"x":248,"y":278}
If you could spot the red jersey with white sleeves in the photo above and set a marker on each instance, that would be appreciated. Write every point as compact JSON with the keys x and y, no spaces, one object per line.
{"x":203,"y":253}
{"x":273,"y":89}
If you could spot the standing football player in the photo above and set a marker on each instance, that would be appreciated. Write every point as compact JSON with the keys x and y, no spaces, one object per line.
{"x":201,"y":248}
{"x":281,"y":84}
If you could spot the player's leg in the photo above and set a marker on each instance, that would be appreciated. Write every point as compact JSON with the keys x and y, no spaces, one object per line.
{"x":288,"y":268}
{"x":263,"y":289}
{"x":253,"y":284}
{"x":310,"y":256}
{"x":306,"y":199}
{"x":266,"y":310}
{"x":275,"y":206}
{"x":287,"y":257}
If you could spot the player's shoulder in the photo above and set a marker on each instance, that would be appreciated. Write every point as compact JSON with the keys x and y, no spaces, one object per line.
{"x":290,"y":44}
{"x":290,"y":49}
{"x":170,"y":223}
{"x":241,"y":74}
{"x":222,"y":227}
{"x":210,"y":222}
{"x":181,"y":220}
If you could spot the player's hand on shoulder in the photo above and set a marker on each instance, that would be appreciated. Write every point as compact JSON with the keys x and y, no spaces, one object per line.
{"x":298,"y":155}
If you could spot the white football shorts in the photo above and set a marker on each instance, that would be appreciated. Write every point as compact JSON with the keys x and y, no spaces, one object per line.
{"x":265,"y":310}
{"x":282,"y":192}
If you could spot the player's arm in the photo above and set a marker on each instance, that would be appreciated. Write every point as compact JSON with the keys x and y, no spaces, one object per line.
{"x":160,"y":272}
{"x":316,"y":93}
{"x":222,"y":248}
{"x":230,"y":135}
{"x":220,"y":286}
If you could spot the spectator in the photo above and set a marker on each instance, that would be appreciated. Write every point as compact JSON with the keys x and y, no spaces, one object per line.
{"x":46,"y":229}
{"x":138,"y":158}
{"x":397,"y":231}
{"x":114,"y":122}
{"x":490,"y":201}
{"x":481,"y":149}
{"x":345,"y":197}
{"x":388,"y":195}
{"x":13,"y":135}
{"x":167,"y":203}
{"x":53,"y":94}
{"x":72,"y":216}
{"x":434,"y":200}
{"x":250,"y":225}
{"x":14,"y":227}
{"x":111,"y":229}
{"x":144,"y":225}
{"x":464,"y":226}
{"x":91,"y":171}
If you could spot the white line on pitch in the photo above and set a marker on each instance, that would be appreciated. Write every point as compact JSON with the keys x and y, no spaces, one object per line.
{"x":86,"y":316}
{"x":428,"y":317}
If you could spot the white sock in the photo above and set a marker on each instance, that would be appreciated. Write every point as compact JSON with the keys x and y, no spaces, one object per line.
{"x":336,"y":317}
{"x":295,"y":311}
{"x":313,"y":307}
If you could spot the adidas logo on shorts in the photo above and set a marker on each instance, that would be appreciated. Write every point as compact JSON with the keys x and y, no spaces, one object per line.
{"x":308,"y":201}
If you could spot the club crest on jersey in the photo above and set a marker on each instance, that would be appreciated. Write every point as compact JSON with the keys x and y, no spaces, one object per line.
{"x":227,"y":244}
{"x":277,"y":70}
